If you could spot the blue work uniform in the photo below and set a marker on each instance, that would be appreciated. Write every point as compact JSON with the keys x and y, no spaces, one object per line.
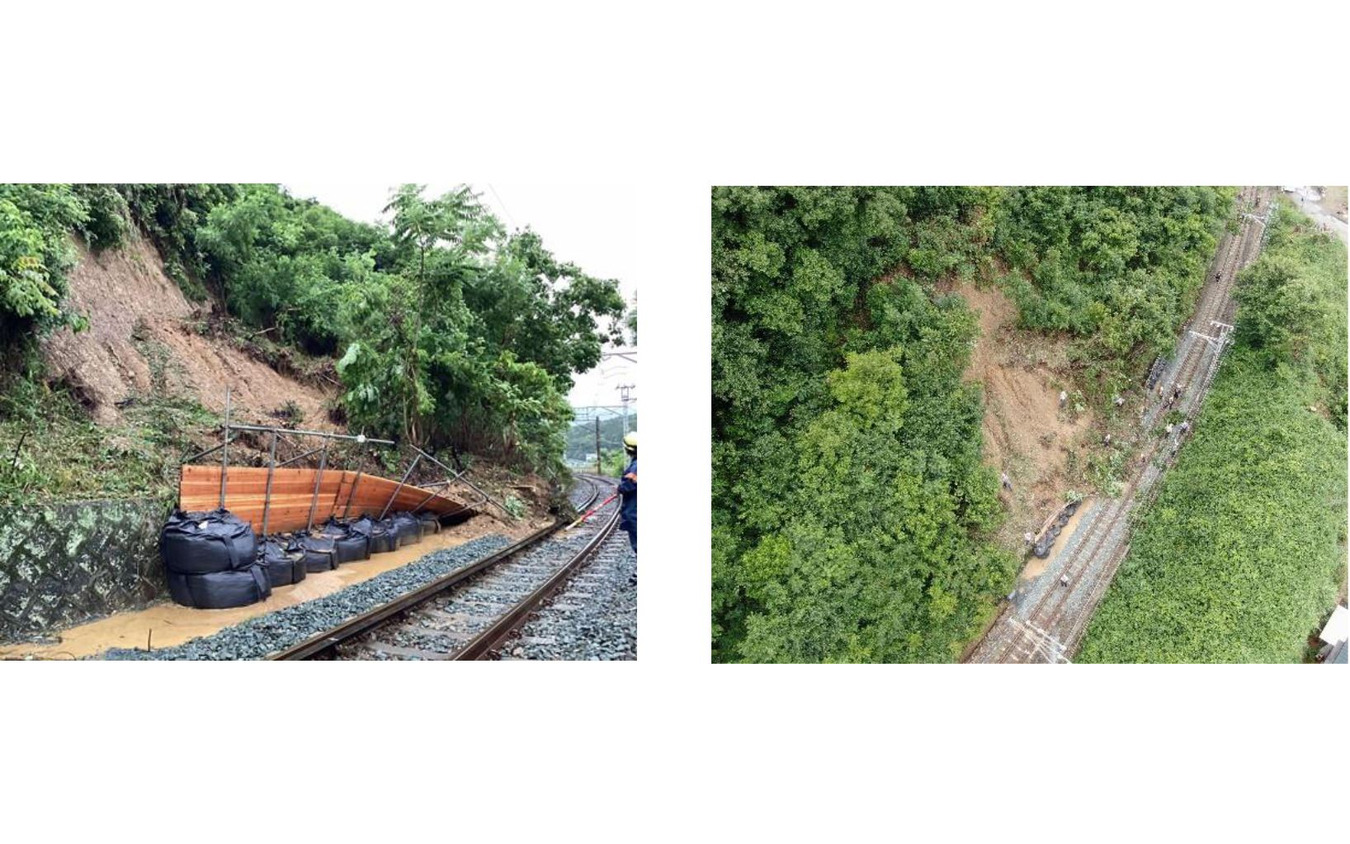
{"x":628,"y":504}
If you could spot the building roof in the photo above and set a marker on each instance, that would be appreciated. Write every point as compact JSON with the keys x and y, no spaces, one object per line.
{"x":1337,"y":628}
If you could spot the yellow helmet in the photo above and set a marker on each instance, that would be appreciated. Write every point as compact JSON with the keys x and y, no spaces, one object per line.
{"x":630,"y":441}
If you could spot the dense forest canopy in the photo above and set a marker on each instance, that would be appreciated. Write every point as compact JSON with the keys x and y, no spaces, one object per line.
{"x":449,"y":331}
{"x":1241,"y":554}
{"x":851,"y":512}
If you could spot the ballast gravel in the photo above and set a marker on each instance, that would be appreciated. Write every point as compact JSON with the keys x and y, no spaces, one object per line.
{"x":481,"y":600}
{"x":593,"y":617}
{"x":258,"y":637}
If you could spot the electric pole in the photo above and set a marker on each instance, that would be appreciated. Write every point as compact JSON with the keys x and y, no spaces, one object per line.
{"x":598,"y":470}
{"x":625,"y":396}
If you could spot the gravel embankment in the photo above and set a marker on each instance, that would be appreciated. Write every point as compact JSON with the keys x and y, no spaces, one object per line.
{"x":257,"y":637}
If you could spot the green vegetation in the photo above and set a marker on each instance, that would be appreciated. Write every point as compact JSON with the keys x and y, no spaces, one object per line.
{"x":57,"y":451}
{"x":35,"y":221}
{"x":1241,"y":554}
{"x":449,"y":332}
{"x":852,"y":517}
{"x":848,"y":497}
{"x":1118,"y":267}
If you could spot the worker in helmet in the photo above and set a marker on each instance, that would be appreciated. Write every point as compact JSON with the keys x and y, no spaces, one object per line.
{"x":628,"y":491}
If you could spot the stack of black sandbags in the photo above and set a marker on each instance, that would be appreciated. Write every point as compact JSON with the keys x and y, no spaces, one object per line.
{"x":284,"y":566}
{"x":210,"y":560}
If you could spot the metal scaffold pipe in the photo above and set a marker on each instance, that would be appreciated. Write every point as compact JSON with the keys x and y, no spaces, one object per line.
{"x":470,"y":483}
{"x":225,"y":450}
{"x":271,"y":470}
{"x":318,"y":478}
{"x":359,"y":438}
{"x":351,"y":494}
{"x":401,"y":483}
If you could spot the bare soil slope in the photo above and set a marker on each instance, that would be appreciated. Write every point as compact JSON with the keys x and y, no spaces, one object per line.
{"x":141,"y":328}
{"x":1026,"y":433}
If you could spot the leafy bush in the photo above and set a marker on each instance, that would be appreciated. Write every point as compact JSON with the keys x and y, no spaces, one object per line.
{"x":1117,"y":266}
{"x":1241,"y":554}
{"x":35,"y":254}
{"x":109,"y":215}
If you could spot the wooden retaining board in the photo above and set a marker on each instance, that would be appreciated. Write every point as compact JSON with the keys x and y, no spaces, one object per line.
{"x":293,"y":493}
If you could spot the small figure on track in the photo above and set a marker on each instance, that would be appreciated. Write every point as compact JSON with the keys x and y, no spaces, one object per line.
{"x":1007,"y":484}
{"x":1063,"y":397}
{"x":1169,"y":429}
{"x":1185,"y":426}
{"x":1106,"y":440}
{"x":1029,"y":538}
{"x":1063,"y":580}
{"x":628,"y":491}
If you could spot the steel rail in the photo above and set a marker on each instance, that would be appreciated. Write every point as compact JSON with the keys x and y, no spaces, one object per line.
{"x":481,"y":645}
{"x":1048,"y":610}
{"x":328,"y":640}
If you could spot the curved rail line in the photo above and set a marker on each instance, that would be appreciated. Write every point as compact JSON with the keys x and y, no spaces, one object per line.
{"x":1030,"y":634}
{"x":355,"y":637}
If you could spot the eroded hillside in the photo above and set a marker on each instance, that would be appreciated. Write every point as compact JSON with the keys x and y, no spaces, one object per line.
{"x":145,"y":337}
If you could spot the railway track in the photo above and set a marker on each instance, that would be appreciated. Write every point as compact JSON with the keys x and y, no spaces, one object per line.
{"x":467,"y":614}
{"x":592,"y":617}
{"x":1047,"y":624}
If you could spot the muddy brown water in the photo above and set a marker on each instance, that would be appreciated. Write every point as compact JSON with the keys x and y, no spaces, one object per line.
{"x":169,"y":624}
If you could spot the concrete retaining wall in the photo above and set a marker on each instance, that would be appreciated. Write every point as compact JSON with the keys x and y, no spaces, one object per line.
{"x":63,"y":564}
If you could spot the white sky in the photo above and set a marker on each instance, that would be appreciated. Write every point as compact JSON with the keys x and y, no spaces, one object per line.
{"x":592,"y":225}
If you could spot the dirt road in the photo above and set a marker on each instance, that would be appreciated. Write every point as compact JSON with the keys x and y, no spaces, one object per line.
{"x":1045,"y":619}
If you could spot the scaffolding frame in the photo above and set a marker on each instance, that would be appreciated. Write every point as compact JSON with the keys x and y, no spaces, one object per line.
{"x":230,"y":432}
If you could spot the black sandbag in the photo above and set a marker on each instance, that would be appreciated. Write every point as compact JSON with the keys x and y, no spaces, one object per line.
{"x":391,"y":528}
{"x":178,"y":589}
{"x":383,"y":540}
{"x":430,"y":524}
{"x":281,"y":564}
{"x":201,"y":543}
{"x":409,"y":529}
{"x":349,"y":544}
{"x":319,"y":551}
{"x":222,"y":589}
{"x":352,"y":548}
{"x":380,"y":540}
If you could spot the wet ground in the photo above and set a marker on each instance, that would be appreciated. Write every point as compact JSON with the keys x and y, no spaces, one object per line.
{"x":166,"y":624}
{"x":1312,"y":202}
